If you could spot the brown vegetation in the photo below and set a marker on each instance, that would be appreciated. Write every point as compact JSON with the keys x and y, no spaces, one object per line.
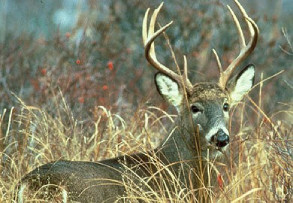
{"x":88,"y":100}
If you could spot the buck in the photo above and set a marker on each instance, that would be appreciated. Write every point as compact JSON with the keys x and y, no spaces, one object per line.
{"x":200,"y":133}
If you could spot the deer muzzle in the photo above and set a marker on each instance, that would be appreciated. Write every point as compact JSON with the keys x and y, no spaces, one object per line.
{"x":221,"y":139}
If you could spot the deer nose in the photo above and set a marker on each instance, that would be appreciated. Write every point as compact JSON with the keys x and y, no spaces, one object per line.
{"x":222,"y":139}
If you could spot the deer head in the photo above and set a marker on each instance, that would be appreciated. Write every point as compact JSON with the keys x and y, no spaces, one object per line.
{"x":205,"y":104}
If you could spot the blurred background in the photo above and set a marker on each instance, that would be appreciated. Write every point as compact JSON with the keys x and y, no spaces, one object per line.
{"x":91,"y":50}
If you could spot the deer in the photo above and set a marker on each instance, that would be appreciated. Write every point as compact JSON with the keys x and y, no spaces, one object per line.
{"x":200,"y":132}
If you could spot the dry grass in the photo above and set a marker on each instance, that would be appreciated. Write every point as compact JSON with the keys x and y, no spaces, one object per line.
{"x":259,"y":166}
{"x":91,"y":101}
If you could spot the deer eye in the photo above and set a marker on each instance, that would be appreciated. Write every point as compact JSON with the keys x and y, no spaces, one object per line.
{"x":226,"y":107}
{"x":195,"y":109}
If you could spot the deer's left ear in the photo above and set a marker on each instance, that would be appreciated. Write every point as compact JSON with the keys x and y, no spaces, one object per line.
{"x":241,"y":84}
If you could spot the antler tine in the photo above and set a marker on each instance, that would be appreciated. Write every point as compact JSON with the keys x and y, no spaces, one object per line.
{"x":245,"y":50}
{"x":238,"y":26}
{"x":186,"y":81}
{"x":248,"y":20}
{"x":149,"y":36}
{"x":218,"y":61}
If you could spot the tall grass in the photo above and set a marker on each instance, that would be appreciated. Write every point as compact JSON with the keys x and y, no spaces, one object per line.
{"x":258,"y":167}
{"x":91,"y":99}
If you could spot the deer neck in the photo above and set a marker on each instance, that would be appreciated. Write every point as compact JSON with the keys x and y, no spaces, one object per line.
{"x":179,"y":145}
{"x":179,"y":153}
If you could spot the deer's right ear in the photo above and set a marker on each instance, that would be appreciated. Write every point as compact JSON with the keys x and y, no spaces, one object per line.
{"x":169,"y":89}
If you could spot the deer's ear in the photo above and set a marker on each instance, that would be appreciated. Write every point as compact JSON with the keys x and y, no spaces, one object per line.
{"x":169,"y":89}
{"x":241,"y":84}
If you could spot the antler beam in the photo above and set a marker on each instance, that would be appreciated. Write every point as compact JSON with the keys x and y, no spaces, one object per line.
{"x":245,"y":50}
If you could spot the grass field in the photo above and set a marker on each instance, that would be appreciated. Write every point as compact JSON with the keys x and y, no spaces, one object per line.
{"x":92,"y":97}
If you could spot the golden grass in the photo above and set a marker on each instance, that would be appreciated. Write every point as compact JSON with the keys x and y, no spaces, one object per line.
{"x":259,"y":167}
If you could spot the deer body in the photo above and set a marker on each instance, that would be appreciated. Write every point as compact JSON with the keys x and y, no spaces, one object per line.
{"x":200,"y":134}
{"x":103,"y":181}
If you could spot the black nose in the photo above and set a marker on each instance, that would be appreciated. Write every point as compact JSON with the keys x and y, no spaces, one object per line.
{"x":222,"y":139}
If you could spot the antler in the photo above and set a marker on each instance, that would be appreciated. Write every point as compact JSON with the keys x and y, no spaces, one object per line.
{"x":149,"y":36}
{"x":245,"y":50}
